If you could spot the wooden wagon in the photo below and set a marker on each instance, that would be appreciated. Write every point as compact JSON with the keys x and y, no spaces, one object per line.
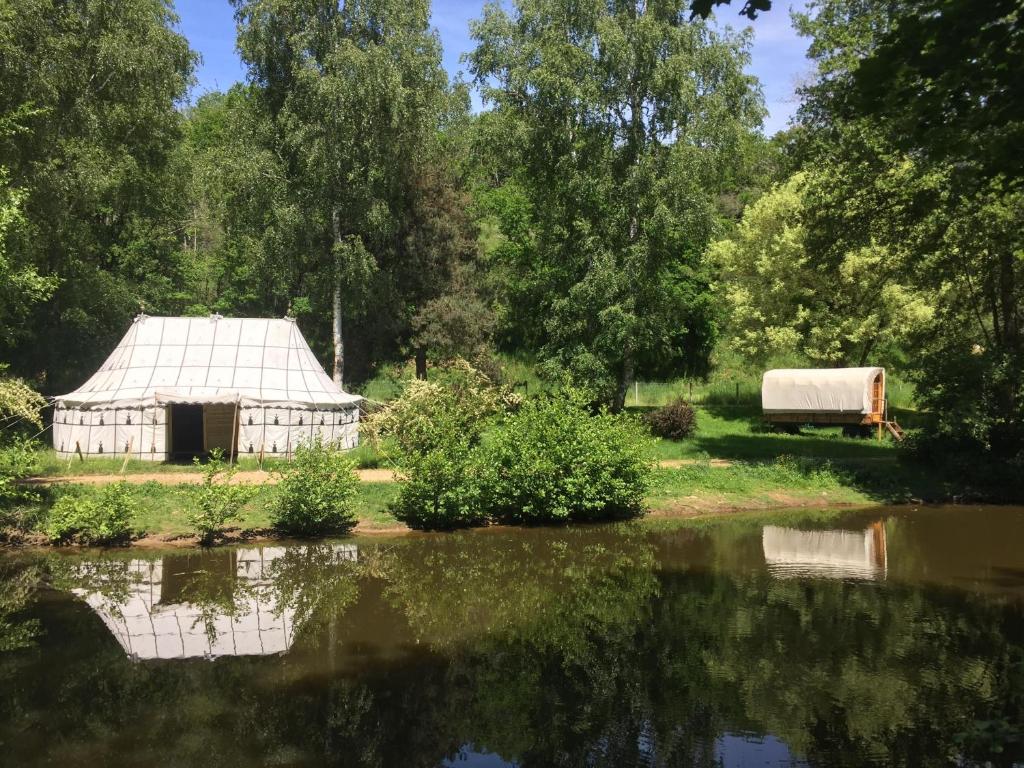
{"x":853,"y":398}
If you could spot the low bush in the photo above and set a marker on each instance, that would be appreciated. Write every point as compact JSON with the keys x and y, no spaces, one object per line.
{"x":439,"y":491}
{"x":215,"y":501}
{"x":674,"y":421}
{"x":429,"y":415}
{"x":315,"y":493}
{"x":553,"y":461}
{"x":18,"y":460}
{"x":104,"y":518}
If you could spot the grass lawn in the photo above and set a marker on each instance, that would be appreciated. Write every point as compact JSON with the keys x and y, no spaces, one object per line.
{"x":52,"y":465}
{"x":162,"y":507}
{"x":739,"y":433}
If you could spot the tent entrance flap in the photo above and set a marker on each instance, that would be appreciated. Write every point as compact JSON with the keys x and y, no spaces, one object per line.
{"x":221,"y":427}
{"x":187,"y":436}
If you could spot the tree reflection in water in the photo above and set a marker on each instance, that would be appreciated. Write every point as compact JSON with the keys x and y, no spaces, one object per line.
{"x":594,"y":646}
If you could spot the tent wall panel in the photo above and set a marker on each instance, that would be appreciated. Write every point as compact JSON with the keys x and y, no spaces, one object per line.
{"x":128,"y":431}
{"x":295,"y":426}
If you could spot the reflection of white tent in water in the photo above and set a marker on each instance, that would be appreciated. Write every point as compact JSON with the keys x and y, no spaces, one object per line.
{"x":836,"y":553}
{"x":153,"y":619}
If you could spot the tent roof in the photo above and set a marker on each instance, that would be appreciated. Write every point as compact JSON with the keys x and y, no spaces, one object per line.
{"x":839,"y":390}
{"x":253,"y":361}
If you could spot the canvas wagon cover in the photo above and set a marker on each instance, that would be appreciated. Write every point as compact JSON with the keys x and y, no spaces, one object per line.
{"x":253,"y":361}
{"x":821,"y":390}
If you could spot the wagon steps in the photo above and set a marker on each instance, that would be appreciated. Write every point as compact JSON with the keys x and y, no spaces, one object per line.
{"x":895,"y":430}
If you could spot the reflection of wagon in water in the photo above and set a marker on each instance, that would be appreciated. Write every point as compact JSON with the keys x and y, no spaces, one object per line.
{"x":830,"y":553}
{"x":853,"y":398}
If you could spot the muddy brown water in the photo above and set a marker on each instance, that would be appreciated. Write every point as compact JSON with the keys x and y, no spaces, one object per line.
{"x":880,"y":637}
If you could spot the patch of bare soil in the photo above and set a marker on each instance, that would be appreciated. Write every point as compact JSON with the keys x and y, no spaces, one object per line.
{"x":705,"y":506}
{"x":675,"y":463}
{"x":245,"y":477}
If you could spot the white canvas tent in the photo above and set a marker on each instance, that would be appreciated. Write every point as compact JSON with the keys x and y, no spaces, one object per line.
{"x":186,"y":385}
{"x":820,"y":390}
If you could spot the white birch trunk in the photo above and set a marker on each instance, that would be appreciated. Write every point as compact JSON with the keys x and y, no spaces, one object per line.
{"x":339,"y":345}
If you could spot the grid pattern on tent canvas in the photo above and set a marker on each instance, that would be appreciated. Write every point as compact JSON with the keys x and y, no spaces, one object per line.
{"x":261,"y":358}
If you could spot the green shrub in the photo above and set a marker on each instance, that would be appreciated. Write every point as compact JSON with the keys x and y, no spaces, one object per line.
{"x":315,"y":493}
{"x":20,"y":405}
{"x":215,"y":501}
{"x":439,"y":491}
{"x":674,"y":421}
{"x":103,"y":518}
{"x":429,"y":415}
{"x":553,"y":461}
{"x":18,"y":460}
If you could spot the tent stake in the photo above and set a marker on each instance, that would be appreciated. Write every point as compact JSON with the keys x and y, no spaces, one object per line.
{"x":234,"y":432}
{"x":127,"y":453}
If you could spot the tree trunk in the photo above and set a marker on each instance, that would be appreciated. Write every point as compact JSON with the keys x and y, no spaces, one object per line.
{"x":625,"y":381}
{"x":421,"y":363}
{"x":339,"y":344}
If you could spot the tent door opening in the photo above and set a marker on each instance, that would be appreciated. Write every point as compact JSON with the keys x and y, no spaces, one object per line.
{"x":187,"y":436}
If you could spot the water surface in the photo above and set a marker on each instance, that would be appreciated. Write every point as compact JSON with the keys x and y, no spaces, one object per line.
{"x":890,"y":637}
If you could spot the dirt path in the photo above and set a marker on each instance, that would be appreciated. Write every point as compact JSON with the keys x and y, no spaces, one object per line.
{"x":261,"y":477}
{"x":247,"y":477}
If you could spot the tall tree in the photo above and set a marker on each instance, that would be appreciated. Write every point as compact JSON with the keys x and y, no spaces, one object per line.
{"x":930,"y":91}
{"x":356,"y":92}
{"x":91,"y":87}
{"x":625,"y":117}
{"x":835,"y":308}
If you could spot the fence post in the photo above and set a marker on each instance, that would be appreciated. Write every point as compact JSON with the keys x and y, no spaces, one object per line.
{"x":737,"y":393}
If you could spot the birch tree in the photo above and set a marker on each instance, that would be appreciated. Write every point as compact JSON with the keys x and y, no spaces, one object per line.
{"x":626,"y":117}
{"x":354,"y":89}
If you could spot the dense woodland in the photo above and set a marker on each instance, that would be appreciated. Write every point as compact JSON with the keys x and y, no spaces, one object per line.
{"x":614,"y":212}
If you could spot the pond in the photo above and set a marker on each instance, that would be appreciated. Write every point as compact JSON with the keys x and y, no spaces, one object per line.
{"x":888,"y":637}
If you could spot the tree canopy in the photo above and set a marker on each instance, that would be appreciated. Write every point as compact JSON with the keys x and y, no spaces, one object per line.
{"x":612,"y":212}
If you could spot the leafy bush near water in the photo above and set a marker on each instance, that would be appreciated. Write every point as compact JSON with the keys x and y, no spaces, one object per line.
{"x":429,"y":415}
{"x":674,"y":421}
{"x":551,"y":461}
{"x":440,"y":490}
{"x":554,"y":462}
{"x":101,"y":519}
{"x":215,"y":501}
{"x":316,"y":491}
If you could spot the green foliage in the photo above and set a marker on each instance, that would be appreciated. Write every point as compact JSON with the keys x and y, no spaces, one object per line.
{"x":316,"y":491}
{"x":364,"y":201}
{"x":430,"y":415}
{"x":88,"y":106}
{"x":616,"y":162}
{"x":552,"y":461}
{"x":21,"y":285}
{"x":19,"y":459}
{"x":215,"y":501}
{"x":934,"y":182}
{"x":19,"y":404}
{"x":784,"y":297}
{"x":674,"y":421}
{"x":105,"y":518}
{"x":440,"y":490}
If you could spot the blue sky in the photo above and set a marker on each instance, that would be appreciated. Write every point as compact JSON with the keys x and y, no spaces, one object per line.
{"x":778,"y":54}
